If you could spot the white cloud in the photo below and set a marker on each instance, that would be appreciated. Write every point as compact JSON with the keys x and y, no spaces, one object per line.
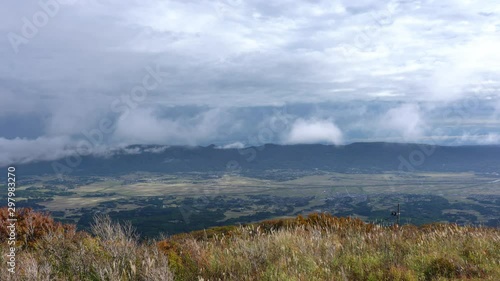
{"x":145,"y":126}
{"x":405,"y":121}
{"x":491,"y":138}
{"x":233,"y":145}
{"x":465,"y":66}
{"x":246,"y":54}
{"x":21,"y":150}
{"x":128,"y":150}
{"x":313,"y":131}
{"x":157,"y":149}
{"x":292,"y":51}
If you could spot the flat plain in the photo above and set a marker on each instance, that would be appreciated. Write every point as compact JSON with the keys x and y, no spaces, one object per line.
{"x":171,"y":203}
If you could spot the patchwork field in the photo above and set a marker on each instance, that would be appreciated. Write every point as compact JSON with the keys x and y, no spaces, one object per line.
{"x":179,"y":202}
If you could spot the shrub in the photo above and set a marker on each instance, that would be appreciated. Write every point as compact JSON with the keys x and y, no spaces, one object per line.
{"x":52,"y":251}
{"x":31,"y":226}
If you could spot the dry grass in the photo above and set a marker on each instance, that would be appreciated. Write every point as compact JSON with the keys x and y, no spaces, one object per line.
{"x":319,"y":247}
{"x":322,"y":247}
{"x":58,"y":252}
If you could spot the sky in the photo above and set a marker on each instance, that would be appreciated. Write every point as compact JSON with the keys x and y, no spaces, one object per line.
{"x":89,"y":75}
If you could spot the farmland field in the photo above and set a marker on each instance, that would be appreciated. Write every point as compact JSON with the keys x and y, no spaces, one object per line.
{"x":171,"y":203}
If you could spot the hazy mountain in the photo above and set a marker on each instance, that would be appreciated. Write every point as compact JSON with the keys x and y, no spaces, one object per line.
{"x":356,"y":157}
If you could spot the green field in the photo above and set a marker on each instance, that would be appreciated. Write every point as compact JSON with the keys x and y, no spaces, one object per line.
{"x":188,"y":201}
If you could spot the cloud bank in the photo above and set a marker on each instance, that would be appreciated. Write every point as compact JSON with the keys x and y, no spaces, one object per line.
{"x":20,"y":150}
{"x":416,"y":71}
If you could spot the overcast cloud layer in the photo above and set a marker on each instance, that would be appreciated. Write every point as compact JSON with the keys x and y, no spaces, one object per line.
{"x":90,"y":74}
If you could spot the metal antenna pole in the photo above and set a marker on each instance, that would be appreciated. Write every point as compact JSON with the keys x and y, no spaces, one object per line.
{"x":399,"y":214}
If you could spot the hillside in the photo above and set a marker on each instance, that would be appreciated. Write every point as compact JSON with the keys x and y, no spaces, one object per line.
{"x":319,"y":247}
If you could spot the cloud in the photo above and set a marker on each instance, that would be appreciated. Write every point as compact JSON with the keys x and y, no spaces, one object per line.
{"x":146,"y":126}
{"x":232,"y":61}
{"x":157,"y":149}
{"x":251,"y":53}
{"x":405,"y":121}
{"x":491,"y":138}
{"x":496,"y":114}
{"x":131,"y":150}
{"x":20,"y":150}
{"x":314,"y":131}
{"x":233,"y":145}
{"x":464,"y":70}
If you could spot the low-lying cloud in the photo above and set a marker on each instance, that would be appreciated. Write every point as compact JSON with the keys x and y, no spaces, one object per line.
{"x":404,"y":121}
{"x":21,"y":150}
{"x":313,"y":131}
{"x":233,"y":145}
{"x":145,"y":126}
{"x":491,"y":138}
{"x":464,"y":122}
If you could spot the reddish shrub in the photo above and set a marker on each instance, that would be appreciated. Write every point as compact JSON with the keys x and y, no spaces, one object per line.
{"x":31,"y":226}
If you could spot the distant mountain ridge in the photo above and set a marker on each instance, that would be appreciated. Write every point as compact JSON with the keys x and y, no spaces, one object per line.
{"x":351,"y":158}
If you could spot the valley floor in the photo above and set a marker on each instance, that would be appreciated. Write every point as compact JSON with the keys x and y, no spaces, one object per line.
{"x":317,"y":247}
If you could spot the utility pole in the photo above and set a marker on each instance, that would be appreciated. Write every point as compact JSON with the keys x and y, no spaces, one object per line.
{"x":397,"y":214}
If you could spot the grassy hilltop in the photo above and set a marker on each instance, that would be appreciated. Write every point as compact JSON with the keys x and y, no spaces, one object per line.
{"x":319,"y":247}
